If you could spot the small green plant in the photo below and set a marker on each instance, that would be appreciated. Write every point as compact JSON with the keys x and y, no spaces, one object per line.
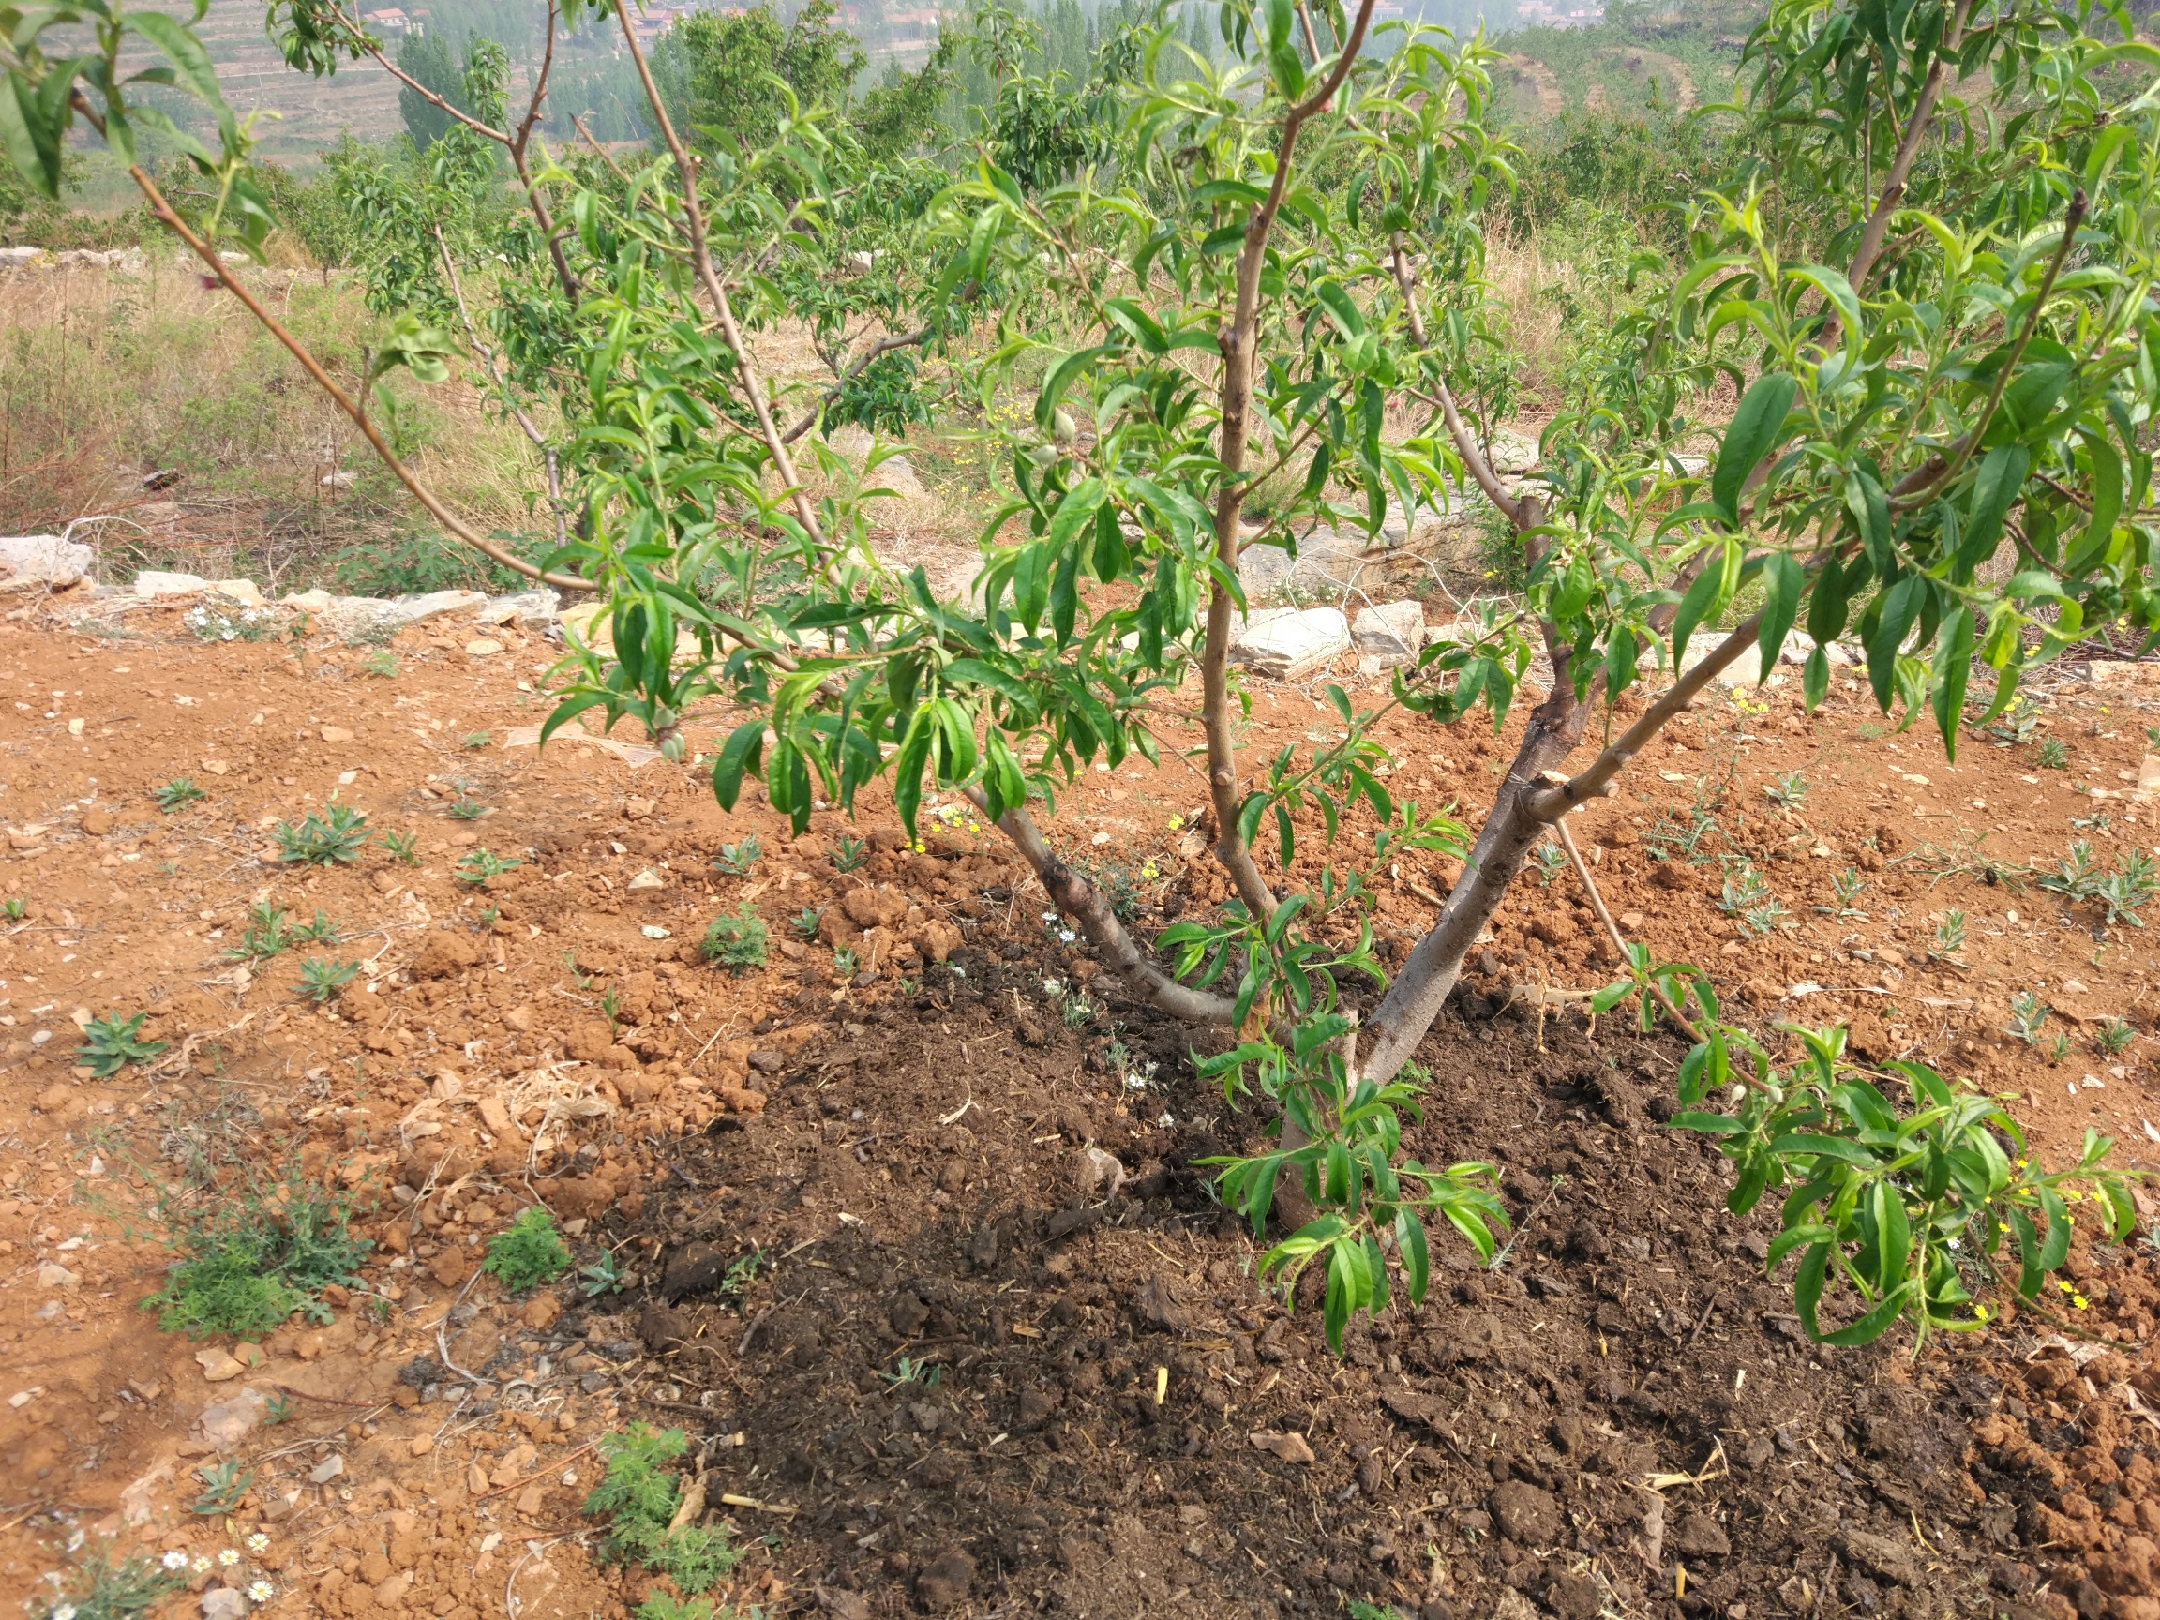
{"x":321,"y":929}
{"x":489,"y":916}
{"x":1551,"y":862}
{"x":844,"y":963}
{"x":2097,"y":822}
{"x":1788,"y":792}
{"x":2054,"y":754}
{"x":736,"y":860}
{"x":603,"y":1276}
{"x":476,"y":739}
{"x":1949,"y":938}
{"x":528,"y":1252}
{"x":640,"y":1496}
{"x":222,"y":620}
{"x":569,"y":962}
{"x":1848,"y":886}
{"x":1747,"y":897}
{"x":381,"y":663}
{"x":2152,"y":736}
{"x":278,"y":1409}
{"x":2055,"y":1048}
{"x":908,"y":1370}
{"x":482,"y":864}
{"x":2027,"y":1014}
{"x":223,"y":1486}
{"x":103,"y":1588}
{"x":805,"y":922}
{"x":660,"y":1605}
{"x":740,"y":1275}
{"x":2113,"y":1037}
{"x":266,"y":934}
{"x":467,"y":808}
{"x":330,"y":838}
{"x":177,"y":794}
{"x":849,"y":854}
{"x":111,"y":1043}
{"x":736,"y":941}
{"x":12,"y":908}
{"x":403,"y":847}
{"x":2124,"y":891}
{"x":321,"y":978}
{"x":1077,"y":1011}
{"x":611,"y":1005}
{"x":253,"y":1251}
{"x":2017,"y":724}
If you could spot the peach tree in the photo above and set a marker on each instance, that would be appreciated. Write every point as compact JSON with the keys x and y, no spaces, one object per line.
{"x":1933,"y":316}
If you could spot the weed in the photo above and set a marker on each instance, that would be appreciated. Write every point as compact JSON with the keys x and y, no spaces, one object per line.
{"x":265,"y":935}
{"x":2152,"y":736}
{"x":2027,"y":1013}
{"x":2054,"y":754}
{"x":569,"y":962}
{"x":254,"y":1252}
{"x":736,"y":860}
{"x":321,"y":930}
{"x":333,"y":838}
{"x":111,"y":1043}
{"x":467,"y":808}
{"x":278,"y":1409}
{"x":223,"y":1486}
{"x":403,"y":846}
{"x":1117,"y":884}
{"x":2113,"y":1037}
{"x":849,"y":854}
{"x":1848,"y":885}
{"x":2124,"y":891}
{"x":321,"y":978}
{"x":1135,"y":1073}
{"x":805,"y":922}
{"x":221,"y":623}
{"x":844,"y":963}
{"x":907,"y":1371}
{"x":740,"y":1275}
{"x":1789,"y":792}
{"x":382,"y":664}
{"x":12,"y":908}
{"x":1949,"y":938}
{"x":476,"y":739}
{"x":104,"y":1589}
{"x":2017,"y":724}
{"x":611,"y":1004}
{"x":640,"y":1498}
{"x":603,"y":1276}
{"x":528,"y":1252}
{"x":2054,"y":1049}
{"x":482,"y":864}
{"x":1077,"y":1012}
{"x":736,"y":942}
{"x":2096,"y":822}
{"x":1670,"y":841}
{"x":177,"y":794}
{"x":1551,"y":862}
{"x":489,"y":916}
{"x":1746,"y":897}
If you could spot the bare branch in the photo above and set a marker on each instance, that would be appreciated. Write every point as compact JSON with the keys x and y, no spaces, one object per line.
{"x":1078,"y":899}
{"x":450,"y":521}
{"x":701,"y":257}
{"x":1916,"y":127}
{"x":1612,"y":929}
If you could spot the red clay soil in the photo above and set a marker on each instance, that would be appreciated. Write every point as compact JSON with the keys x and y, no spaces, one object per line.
{"x":961,"y":1379}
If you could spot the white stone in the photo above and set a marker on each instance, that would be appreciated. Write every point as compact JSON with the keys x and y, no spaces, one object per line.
{"x":20,"y":258}
{"x":328,"y":1469}
{"x":645,"y":882}
{"x":307,"y":601}
{"x":223,"y":1603}
{"x":42,"y":559}
{"x":51,"y":1275}
{"x":1511,"y":453}
{"x":522,"y":607}
{"x":244,"y":591}
{"x":1329,"y":562}
{"x":1290,"y":646}
{"x":226,"y":1423}
{"x":152,"y":583}
{"x":218,"y":1365}
{"x":1395,"y":632}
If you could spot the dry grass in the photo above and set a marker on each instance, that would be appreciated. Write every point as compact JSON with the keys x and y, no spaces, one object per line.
{"x":108,"y":376}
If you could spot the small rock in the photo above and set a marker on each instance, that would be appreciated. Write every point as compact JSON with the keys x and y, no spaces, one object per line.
{"x":52,"y":1275}
{"x":768,"y":1062}
{"x":337,"y":734}
{"x":645,"y":882}
{"x":541,"y":1312}
{"x":695,"y":1268}
{"x":945,"y":1580}
{"x":1289,"y":1448}
{"x":1289,"y":646}
{"x":226,"y":1423}
{"x":223,"y":1603}
{"x":1699,"y":1536}
{"x":97,"y":823}
{"x":451,"y":1267}
{"x":482,"y":647}
{"x":833,"y":1601}
{"x":218,"y":1365}
{"x":1156,"y":1304}
{"x":152,"y":583}
{"x":1097,"y":1173}
{"x":1394,"y":633}
{"x":1880,"y":1556}
{"x":422,"y":1444}
{"x":328,"y":1469}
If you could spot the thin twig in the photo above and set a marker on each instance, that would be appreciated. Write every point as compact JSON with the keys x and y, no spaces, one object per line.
{"x":1597,"y":904}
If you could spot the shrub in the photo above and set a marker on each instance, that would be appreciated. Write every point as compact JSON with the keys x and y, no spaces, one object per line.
{"x":255,"y":1252}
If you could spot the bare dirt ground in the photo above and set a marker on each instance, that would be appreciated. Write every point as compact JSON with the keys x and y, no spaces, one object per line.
{"x":1109,"y":1417}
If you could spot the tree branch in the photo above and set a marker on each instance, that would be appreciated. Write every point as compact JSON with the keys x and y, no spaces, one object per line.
{"x":1871,"y":235}
{"x":1466,"y":445}
{"x":701,"y":257}
{"x":450,"y":521}
{"x":1237,"y":384}
{"x":1073,"y":895}
{"x":883,"y":346}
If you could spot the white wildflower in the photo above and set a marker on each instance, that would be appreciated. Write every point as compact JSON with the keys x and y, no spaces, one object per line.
{"x":175,"y":1560}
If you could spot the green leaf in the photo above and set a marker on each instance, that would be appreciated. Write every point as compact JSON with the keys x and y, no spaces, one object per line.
{"x":1061,"y":377}
{"x":739,"y":753}
{"x":1783,"y":581}
{"x":1417,"y":1259}
{"x":180,"y":46}
{"x":1705,"y":598}
{"x":908,"y":765}
{"x":1996,"y":488}
{"x":1953,"y":667}
{"x":1756,"y":428}
{"x":1283,"y":59}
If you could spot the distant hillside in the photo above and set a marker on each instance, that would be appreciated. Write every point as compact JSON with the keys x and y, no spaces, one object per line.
{"x":1637,"y":55}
